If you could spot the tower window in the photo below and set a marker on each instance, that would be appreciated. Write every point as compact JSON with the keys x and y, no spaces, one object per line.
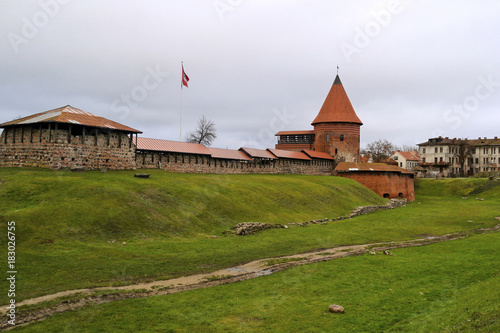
{"x":327,"y":137}
{"x":341,"y":137}
{"x":336,"y":151}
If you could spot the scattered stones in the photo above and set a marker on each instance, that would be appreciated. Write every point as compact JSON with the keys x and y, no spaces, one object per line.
{"x":334,"y":308}
{"x":465,"y":198}
{"x":479,"y":199}
{"x":373,"y":253}
{"x":470,"y":221}
{"x":246,"y":228}
{"x":394,"y":203}
{"x":498,"y":218}
{"x":124,"y":243}
{"x":387,"y":253}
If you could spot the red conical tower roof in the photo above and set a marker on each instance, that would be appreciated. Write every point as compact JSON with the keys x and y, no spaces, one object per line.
{"x":337,"y":108}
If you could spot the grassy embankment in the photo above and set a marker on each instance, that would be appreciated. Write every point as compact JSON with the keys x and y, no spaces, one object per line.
{"x":66,"y":222}
{"x":70,"y":226}
{"x":445,"y":287}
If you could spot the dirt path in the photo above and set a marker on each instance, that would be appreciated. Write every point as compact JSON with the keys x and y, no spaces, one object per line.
{"x":243,"y":272}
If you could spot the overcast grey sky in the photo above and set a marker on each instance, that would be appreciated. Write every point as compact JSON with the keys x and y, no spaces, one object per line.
{"x":412,"y":69}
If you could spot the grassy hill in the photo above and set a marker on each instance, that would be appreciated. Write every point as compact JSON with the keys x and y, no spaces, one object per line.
{"x":70,"y":226}
{"x":52,"y":205}
{"x":445,"y":287}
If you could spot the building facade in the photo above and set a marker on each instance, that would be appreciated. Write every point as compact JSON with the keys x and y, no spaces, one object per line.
{"x":336,"y":129}
{"x":440,"y":157}
{"x":406,"y":159}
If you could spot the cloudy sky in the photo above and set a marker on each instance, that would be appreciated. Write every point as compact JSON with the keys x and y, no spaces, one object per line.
{"x":412,"y":69}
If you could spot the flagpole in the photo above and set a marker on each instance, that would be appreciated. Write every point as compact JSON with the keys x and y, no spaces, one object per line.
{"x":180,"y":126}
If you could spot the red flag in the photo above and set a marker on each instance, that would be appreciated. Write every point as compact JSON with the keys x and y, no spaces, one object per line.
{"x":185,"y":78}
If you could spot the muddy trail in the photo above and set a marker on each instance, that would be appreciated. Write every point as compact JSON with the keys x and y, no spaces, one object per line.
{"x":253,"y":269}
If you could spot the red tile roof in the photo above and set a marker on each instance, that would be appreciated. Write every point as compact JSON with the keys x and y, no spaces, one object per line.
{"x":295,"y":132}
{"x":408,"y":155}
{"x":318,"y":154}
{"x":171,"y":146}
{"x":70,"y":115}
{"x":296,"y":155}
{"x":252,"y":152}
{"x":357,"y":167}
{"x":228,"y":154}
{"x":337,"y":107}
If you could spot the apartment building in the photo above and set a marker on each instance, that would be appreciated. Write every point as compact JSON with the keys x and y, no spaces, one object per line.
{"x":440,"y":157}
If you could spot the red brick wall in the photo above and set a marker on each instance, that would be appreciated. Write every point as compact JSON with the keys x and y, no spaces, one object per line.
{"x":388,"y":184}
{"x":346,"y":149}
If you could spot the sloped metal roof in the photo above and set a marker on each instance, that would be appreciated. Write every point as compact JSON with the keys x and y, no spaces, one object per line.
{"x":70,"y":115}
{"x":259,"y":153}
{"x":228,"y":154}
{"x":310,"y":132}
{"x":318,"y":154}
{"x":296,"y":155}
{"x":171,"y":146}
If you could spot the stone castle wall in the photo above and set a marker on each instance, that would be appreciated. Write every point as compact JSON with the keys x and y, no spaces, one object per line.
{"x":179,"y":162}
{"x":57,"y":149}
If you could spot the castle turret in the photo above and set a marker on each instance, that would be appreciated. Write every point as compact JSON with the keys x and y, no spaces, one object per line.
{"x":337,"y":127}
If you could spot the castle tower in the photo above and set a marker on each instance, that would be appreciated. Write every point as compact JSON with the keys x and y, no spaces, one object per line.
{"x":337,"y":127}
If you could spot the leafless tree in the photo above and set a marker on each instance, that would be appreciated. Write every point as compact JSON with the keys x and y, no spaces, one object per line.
{"x":462,"y":151}
{"x":205,"y":132}
{"x":406,"y":148}
{"x":379,"y":150}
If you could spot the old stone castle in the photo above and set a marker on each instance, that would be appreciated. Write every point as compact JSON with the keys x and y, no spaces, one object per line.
{"x":71,"y":138}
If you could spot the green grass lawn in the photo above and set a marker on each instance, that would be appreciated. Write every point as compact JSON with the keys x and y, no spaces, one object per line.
{"x":66,"y":221}
{"x":445,"y":287}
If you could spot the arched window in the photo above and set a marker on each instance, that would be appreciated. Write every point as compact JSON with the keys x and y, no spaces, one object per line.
{"x":327,"y":137}
{"x":341,"y":137}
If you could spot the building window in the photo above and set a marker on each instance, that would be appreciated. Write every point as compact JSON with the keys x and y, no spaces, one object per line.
{"x":423,"y":150}
{"x":440,"y":160}
{"x":440,"y":149}
{"x":336,"y":151}
{"x":327,"y":137}
{"x":436,"y":150}
{"x":423,"y":160}
{"x":341,"y":137}
{"x":435,"y":160}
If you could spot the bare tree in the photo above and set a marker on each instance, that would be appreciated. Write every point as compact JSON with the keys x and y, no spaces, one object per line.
{"x":204,"y":132}
{"x":462,"y":151}
{"x":406,"y":148}
{"x":379,"y":150}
